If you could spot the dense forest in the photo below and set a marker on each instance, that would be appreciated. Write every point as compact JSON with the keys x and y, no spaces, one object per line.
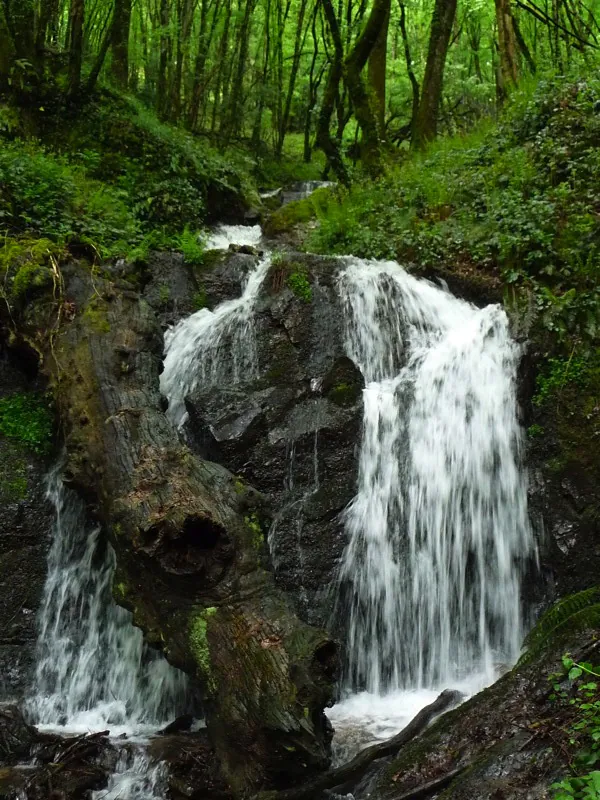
{"x":299,"y":399}
{"x":354,"y":79}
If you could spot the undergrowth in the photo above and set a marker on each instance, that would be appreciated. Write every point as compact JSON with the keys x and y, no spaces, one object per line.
{"x":117,"y":181}
{"x":517,"y":199}
{"x":575,"y":689}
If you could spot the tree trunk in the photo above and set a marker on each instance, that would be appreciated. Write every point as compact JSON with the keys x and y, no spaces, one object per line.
{"x":409,"y":67}
{"x":183,"y":47}
{"x":507,"y":45}
{"x":120,"y":43}
{"x":378,"y":70}
{"x":20,"y":23}
{"x":298,"y":44}
{"x":162,"y":84}
{"x":191,"y":557}
{"x":425,"y":127}
{"x":76,"y":21}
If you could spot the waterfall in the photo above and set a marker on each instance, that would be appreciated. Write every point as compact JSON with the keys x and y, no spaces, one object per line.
{"x":212,"y":346}
{"x":93,"y":670}
{"x":430,"y":582}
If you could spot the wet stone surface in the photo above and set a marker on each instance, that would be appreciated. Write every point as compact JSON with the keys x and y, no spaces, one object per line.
{"x":293,"y":432}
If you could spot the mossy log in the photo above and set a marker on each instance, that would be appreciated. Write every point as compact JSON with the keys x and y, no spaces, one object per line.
{"x":190,"y":547}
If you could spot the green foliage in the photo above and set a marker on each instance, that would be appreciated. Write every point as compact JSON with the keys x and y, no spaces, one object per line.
{"x":576,"y":690}
{"x":516,"y":199}
{"x":298,"y":282}
{"x":119,"y":181}
{"x":575,"y":612}
{"x":580,"y":369}
{"x":28,"y":418}
{"x":191,"y":244}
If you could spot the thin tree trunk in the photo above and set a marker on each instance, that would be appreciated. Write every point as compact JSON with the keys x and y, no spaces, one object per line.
{"x":120,"y":43}
{"x":298,"y":42}
{"x":425,"y":127}
{"x":76,"y":22}
{"x":507,"y":45}
{"x":409,"y":67}
{"x":162,"y":93}
{"x":378,"y":71}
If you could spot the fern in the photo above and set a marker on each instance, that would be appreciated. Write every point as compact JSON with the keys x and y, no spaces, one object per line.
{"x":575,"y":612}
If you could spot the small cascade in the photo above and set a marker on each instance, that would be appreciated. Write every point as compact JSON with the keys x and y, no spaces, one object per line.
{"x":135,"y":777}
{"x":430,"y":583}
{"x":212,"y":346}
{"x":242,"y":235}
{"x":94,"y":671}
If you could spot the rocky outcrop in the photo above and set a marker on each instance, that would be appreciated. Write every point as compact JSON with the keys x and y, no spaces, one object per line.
{"x":509,"y":741}
{"x":188,"y":536}
{"x":293,"y":432}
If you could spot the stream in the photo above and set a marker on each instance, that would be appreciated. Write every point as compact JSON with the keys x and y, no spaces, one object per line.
{"x":429,"y":588}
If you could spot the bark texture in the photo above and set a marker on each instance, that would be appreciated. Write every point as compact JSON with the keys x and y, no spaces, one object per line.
{"x":425,"y":124}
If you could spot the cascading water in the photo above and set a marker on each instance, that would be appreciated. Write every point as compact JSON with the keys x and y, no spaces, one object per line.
{"x":93,"y":670}
{"x":430,"y":582}
{"x":212,"y":346}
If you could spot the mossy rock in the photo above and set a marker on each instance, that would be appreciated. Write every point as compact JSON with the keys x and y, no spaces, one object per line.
{"x":298,"y":212}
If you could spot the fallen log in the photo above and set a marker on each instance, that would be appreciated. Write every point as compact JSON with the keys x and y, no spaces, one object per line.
{"x":350,"y":773}
{"x":192,"y":563}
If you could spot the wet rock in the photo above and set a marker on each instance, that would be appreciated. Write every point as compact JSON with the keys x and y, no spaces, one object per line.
{"x":17,"y":737}
{"x":294,"y":431}
{"x":223,"y":277}
{"x":509,"y":740}
{"x":194,"y":770}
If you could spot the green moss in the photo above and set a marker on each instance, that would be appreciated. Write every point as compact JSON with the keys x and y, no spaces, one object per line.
{"x":342,"y":394}
{"x":258,"y":537}
{"x":14,"y":483}
{"x":164,"y":293}
{"x":535,"y":431}
{"x":25,"y":266}
{"x":298,"y":212}
{"x":95,"y":315}
{"x":198,"y":639}
{"x":200,"y":299}
{"x":29,"y":419}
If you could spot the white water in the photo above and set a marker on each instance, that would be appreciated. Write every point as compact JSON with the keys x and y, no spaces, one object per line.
{"x":224,"y":235}
{"x":430,"y":582}
{"x":136,"y":777}
{"x":93,"y":670}
{"x":212,"y":346}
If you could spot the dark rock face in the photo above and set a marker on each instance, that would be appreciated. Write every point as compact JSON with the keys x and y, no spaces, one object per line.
{"x":564,"y":472}
{"x":293,"y":432}
{"x":509,"y":741}
{"x":25,"y":528}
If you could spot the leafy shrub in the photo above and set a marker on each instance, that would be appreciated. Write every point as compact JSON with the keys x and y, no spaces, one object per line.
{"x":518,"y":199}
{"x":299,"y":283}
{"x":576,"y":690}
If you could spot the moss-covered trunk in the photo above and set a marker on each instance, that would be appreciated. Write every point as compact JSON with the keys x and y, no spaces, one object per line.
{"x":189,"y":542}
